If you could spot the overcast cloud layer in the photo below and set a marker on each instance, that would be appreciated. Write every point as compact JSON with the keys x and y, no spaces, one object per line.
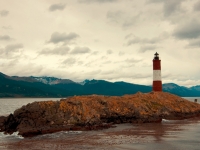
{"x":112,"y":40}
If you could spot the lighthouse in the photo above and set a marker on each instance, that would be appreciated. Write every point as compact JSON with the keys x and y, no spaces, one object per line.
{"x":157,"y":82}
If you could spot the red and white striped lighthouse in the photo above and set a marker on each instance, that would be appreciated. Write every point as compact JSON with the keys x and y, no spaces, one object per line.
{"x":157,"y":82}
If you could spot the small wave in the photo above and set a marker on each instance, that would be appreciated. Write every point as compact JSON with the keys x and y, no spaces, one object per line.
{"x":11,"y":136}
{"x":74,"y":132}
{"x":165,"y":120}
{"x":58,"y":134}
{"x":172,"y":121}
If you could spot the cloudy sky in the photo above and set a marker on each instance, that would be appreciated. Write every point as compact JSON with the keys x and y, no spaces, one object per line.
{"x":113,"y":40}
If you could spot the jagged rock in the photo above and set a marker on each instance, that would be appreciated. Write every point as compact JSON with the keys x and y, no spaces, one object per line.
{"x":95,"y":112}
{"x":2,"y":122}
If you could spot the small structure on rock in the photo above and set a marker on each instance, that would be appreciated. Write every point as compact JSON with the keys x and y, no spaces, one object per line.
{"x":157,"y":82}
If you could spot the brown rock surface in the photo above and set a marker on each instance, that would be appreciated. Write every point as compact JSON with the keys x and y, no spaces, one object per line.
{"x":2,"y":120}
{"x":94,"y":112}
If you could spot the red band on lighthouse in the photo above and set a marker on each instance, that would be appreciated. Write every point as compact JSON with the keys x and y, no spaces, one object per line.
{"x":157,"y":82}
{"x":156,"y":64}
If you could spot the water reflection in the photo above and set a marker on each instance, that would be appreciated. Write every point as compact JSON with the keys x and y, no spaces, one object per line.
{"x":139,"y":136}
{"x":160,"y":131}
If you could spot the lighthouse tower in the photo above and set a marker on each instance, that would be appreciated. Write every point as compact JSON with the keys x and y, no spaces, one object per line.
{"x":157,"y":82}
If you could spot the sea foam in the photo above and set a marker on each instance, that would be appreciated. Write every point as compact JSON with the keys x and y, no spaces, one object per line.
{"x":10,"y":136}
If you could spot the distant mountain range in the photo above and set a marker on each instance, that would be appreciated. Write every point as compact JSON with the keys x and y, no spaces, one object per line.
{"x":14,"y":86}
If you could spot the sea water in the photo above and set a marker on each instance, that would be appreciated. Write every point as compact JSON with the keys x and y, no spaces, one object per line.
{"x":9,"y":105}
{"x":167,"y":135}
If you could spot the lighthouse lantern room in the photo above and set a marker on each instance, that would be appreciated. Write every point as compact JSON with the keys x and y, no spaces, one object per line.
{"x":157,"y":82}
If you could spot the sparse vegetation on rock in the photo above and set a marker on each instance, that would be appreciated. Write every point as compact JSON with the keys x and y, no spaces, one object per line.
{"x":96,"y":111}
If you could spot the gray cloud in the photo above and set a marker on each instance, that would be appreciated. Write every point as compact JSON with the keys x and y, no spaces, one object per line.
{"x":1,"y":51}
{"x":107,"y":62}
{"x":69,"y":61}
{"x":57,"y":37}
{"x":189,"y":30}
{"x":137,"y":40}
{"x":95,"y":52}
{"x":56,"y":51}
{"x":10,"y":63}
{"x":147,"y":48}
{"x":99,"y":1}
{"x":155,"y":1}
{"x":80,"y":50}
{"x":132,"y":60}
{"x":5,"y":38}
{"x":109,"y":51}
{"x":11,"y":51}
{"x":169,"y":6}
{"x":117,"y":74}
{"x":128,"y":36}
{"x":114,"y":16}
{"x":129,"y":22}
{"x":55,"y":7}
{"x":4,"y":13}
{"x":121,"y":53}
{"x":119,"y":17}
{"x":197,"y":6}
{"x":194,"y":44}
{"x":127,"y":63}
{"x":13,"y":47}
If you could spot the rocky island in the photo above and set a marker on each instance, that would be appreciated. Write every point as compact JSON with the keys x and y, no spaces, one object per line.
{"x":96,"y":112}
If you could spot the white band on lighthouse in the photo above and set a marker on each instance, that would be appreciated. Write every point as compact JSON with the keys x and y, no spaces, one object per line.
{"x":156,"y":75}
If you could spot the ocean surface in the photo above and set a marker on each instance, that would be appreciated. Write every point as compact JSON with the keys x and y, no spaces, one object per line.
{"x":167,"y":135}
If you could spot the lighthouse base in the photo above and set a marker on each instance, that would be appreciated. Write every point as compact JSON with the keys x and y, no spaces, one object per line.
{"x":157,"y":85}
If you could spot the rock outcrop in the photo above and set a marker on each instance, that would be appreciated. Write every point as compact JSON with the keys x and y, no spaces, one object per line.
{"x":94,"y":112}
